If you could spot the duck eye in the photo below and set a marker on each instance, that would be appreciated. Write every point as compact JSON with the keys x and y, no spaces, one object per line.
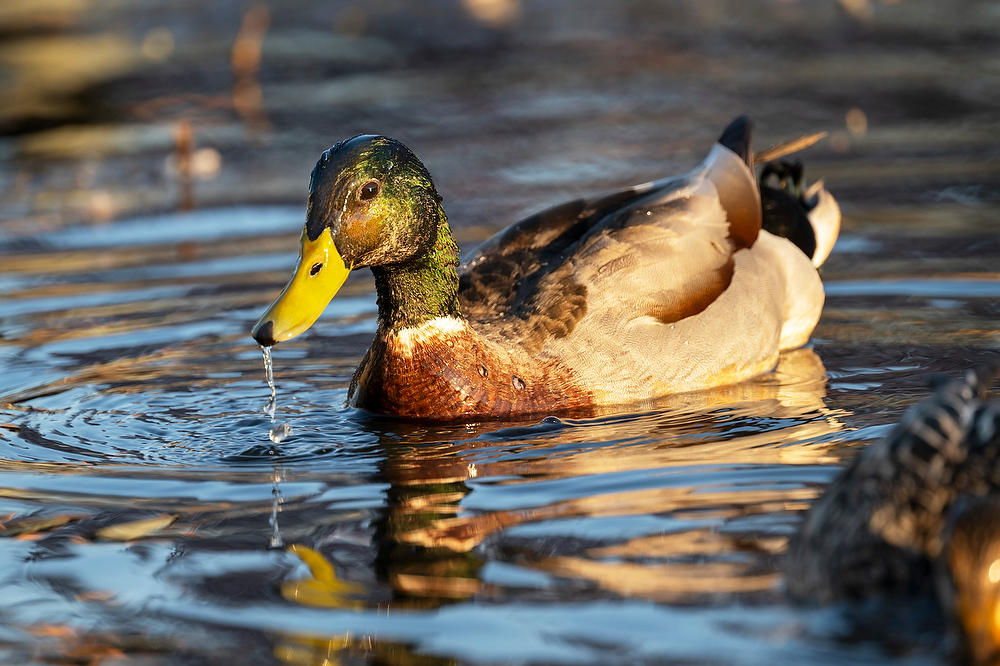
{"x":369,"y":190}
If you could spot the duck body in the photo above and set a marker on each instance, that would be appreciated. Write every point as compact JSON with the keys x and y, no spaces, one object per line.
{"x":660,"y":288}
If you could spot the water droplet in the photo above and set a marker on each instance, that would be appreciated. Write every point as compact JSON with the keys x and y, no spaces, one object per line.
{"x":517,"y":382}
{"x":450,"y":343}
{"x":276,"y":501}
{"x":279,"y":433}
{"x":483,"y":372}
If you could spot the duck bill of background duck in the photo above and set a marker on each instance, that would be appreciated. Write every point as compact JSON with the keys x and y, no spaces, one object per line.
{"x":318,"y":277}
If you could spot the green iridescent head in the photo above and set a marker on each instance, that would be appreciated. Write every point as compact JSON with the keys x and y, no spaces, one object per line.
{"x":376,"y":198}
{"x":371,"y":203}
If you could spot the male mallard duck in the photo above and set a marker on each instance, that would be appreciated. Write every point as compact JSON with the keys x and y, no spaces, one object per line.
{"x":660,"y":288}
{"x":916,"y":513}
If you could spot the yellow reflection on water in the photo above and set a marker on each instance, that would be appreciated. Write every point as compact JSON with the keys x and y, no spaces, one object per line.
{"x":323,"y":588}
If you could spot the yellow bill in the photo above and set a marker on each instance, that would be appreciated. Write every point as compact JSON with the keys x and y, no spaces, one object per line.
{"x":318,"y":277}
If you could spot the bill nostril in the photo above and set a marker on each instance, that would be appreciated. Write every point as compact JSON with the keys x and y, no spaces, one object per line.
{"x":264,"y":333}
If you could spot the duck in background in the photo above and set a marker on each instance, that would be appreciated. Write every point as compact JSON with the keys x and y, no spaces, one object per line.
{"x":916,"y":514}
{"x":675,"y":285}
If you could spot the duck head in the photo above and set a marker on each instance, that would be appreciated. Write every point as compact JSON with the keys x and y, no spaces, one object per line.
{"x":371,"y":203}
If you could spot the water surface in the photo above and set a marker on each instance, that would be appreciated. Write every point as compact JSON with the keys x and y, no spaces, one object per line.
{"x":147,"y":516}
{"x":139,"y":482}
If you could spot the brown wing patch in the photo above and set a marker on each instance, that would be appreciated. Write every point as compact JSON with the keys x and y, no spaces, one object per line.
{"x":488,"y":291}
{"x":559,"y":316}
{"x":553,"y":311}
{"x":695,"y":298}
{"x":509,"y":266}
{"x":616,"y":264}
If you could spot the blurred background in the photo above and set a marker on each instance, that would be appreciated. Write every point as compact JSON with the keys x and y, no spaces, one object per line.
{"x":154,"y":160}
{"x":111,"y":108}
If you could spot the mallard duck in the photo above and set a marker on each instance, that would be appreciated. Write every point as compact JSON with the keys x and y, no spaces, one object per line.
{"x":660,"y":288}
{"x":916,"y":514}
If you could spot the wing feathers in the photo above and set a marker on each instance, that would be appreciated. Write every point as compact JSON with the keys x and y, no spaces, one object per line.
{"x":661,"y":251}
{"x":738,"y":194}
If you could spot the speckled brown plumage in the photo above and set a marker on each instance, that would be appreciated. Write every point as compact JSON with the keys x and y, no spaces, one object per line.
{"x":504,"y":286}
{"x":454,"y":373}
{"x":879,"y":526}
{"x":511,"y":284}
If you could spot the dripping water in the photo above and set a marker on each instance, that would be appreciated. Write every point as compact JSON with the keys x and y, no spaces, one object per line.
{"x":269,"y":376}
{"x":277,"y":433}
{"x":276,"y":502}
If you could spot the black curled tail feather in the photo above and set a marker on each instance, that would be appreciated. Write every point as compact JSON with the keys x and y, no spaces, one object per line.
{"x":736,"y":137}
{"x":783,"y":206}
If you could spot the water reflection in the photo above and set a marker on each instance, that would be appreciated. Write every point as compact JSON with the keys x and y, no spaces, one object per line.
{"x":440,"y":504}
{"x":308,"y":650}
{"x":439,"y":537}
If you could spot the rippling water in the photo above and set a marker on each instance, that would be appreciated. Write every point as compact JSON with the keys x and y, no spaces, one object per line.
{"x":140,"y":488}
{"x":145,"y":513}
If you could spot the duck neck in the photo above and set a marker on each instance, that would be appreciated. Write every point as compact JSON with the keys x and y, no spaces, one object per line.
{"x":423,"y":288}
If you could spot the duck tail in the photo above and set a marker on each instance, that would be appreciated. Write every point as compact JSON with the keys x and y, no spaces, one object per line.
{"x":736,"y":137}
{"x":729,"y":167}
{"x":807,"y":216}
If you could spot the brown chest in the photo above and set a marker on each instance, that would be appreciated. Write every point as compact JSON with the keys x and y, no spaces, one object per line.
{"x":455,"y":374}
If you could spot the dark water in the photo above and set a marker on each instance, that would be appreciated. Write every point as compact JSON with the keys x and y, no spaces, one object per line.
{"x":140,"y":493}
